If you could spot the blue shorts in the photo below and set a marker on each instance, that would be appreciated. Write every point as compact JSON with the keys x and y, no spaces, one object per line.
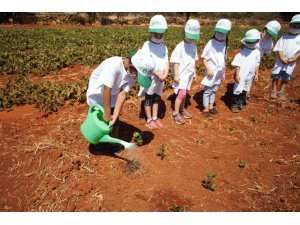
{"x":283,"y":75}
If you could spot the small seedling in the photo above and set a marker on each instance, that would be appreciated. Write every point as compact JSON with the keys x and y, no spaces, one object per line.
{"x":176,"y":208}
{"x":137,"y":137}
{"x":230,"y":128}
{"x":208,"y":183}
{"x":133,"y":165}
{"x":242,"y":164}
{"x":162,"y":152}
{"x":253,"y":118}
{"x":199,"y":141}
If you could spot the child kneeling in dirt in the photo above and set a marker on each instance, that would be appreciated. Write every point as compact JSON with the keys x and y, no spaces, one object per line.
{"x":288,"y":52}
{"x":246,"y":64}
{"x":111,"y":81}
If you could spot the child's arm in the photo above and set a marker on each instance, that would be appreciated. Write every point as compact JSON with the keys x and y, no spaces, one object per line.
{"x":107,"y":98}
{"x":166,"y":71}
{"x":209,"y":72}
{"x":295,"y":58}
{"x":119,"y":103}
{"x":237,"y":74}
{"x":256,"y":74}
{"x":176,"y":72}
{"x":282,"y":59}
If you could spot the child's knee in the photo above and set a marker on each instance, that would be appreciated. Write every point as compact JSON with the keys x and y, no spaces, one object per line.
{"x":181,"y":94}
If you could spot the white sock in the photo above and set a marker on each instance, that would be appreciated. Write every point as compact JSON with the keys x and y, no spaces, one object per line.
{"x":148,"y":120}
{"x":154,"y":118}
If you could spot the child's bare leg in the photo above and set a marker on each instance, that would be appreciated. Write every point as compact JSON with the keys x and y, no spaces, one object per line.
{"x":148,"y":104}
{"x":155,"y":110}
{"x":182,"y":105}
{"x":177,"y":106}
{"x":282,"y":86}
{"x":274,"y":85}
{"x":148,"y":111}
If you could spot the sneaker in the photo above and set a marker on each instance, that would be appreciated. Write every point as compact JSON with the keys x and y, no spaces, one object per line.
{"x":242,"y":107}
{"x":178,"y":119}
{"x":151,"y":124}
{"x":281,"y":96}
{"x":247,"y":98}
{"x":185,"y":114}
{"x":234,"y":109}
{"x":273,"y":94}
{"x":206,"y":113}
{"x":158,"y":123}
{"x":214,"y":111}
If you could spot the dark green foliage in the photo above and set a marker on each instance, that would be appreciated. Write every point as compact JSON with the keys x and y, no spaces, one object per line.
{"x":48,"y":96}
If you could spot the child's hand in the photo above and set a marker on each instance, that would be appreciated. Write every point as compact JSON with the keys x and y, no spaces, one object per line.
{"x":176,"y":78}
{"x":106,"y":117}
{"x":256,"y":77}
{"x":285,"y":61}
{"x":161,"y":78}
{"x":112,"y":121}
{"x":290,"y":60}
{"x":210,"y":73}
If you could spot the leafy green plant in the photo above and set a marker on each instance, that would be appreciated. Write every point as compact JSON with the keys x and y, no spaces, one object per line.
{"x":242,"y":164}
{"x":47,"y":96}
{"x":208,"y":183}
{"x":137,"y":138}
{"x":162,"y":151}
{"x":253,"y":118}
{"x":176,"y":208}
{"x":133,"y":165}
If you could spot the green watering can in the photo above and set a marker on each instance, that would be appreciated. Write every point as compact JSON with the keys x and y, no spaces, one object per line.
{"x":95,"y":129}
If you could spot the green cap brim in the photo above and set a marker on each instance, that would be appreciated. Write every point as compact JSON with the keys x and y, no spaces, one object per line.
{"x":250,"y":40}
{"x":160,"y":31}
{"x":144,"y":81}
{"x":295,"y":22}
{"x":271,"y":33}
{"x":220,"y":30}
{"x":192,"y":36}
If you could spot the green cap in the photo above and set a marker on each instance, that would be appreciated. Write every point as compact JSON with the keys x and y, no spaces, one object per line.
{"x":144,"y":81}
{"x":220,"y":30}
{"x":271,"y":33}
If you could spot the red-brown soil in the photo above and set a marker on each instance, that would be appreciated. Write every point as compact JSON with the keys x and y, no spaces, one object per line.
{"x":47,"y":165}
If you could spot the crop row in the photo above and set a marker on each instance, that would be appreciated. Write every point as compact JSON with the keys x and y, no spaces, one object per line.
{"x":39,"y":51}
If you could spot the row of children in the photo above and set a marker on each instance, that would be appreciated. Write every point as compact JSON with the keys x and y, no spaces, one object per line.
{"x":112,"y":79}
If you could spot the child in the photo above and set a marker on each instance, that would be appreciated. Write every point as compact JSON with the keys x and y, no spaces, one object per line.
{"x":111,"y":80}
{"x":213,"y":56}
{"x":288,"y":52}
{"x":183,"y":68}
{"x":246,"y":64}
{"x":159,"y":52}
{"x":265,"y":44}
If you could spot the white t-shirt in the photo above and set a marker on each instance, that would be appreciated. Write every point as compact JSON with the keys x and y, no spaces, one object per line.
{"x":159,"y":53}
{"x":290,"y":46}
{"x":185,"y":54}
{"x":111,"y":73}
{"x":248,"y":60}
{"x":264,"y":46}
{"x":214,"y":53}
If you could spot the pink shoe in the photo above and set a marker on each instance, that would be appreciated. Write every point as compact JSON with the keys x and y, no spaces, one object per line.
{"x":158,"y":123}
{"x":151,"y":124}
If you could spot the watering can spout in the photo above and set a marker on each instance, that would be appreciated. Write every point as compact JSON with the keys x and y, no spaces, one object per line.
{"x":107,"y":138}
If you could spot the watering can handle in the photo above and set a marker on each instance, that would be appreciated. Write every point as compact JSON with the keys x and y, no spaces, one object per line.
{"x":97,"y":107}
